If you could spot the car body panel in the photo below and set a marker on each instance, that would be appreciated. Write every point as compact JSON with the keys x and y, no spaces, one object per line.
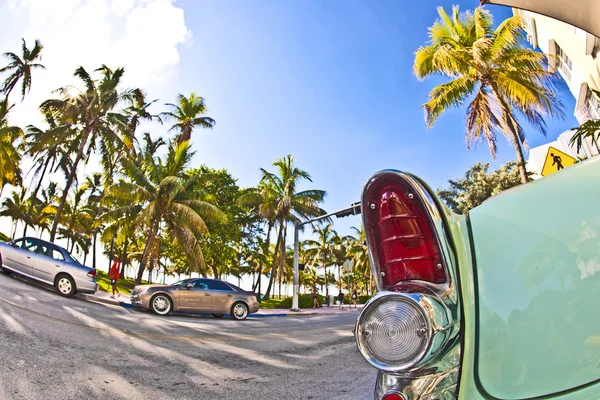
{"x":192,"y":299}
{"x":222,"y":301}
{"x":44,"y":263}
{"x":19,"y":259}
{"x":532,"y":295}
{"x":44,"y":268}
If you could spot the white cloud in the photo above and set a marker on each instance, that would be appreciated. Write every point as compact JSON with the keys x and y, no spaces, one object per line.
{"x":141,"y":35}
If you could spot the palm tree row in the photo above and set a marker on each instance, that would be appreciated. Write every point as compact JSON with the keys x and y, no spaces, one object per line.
{"x":147,"y":206}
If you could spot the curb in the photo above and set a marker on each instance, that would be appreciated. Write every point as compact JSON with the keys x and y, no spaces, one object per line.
{"x":112,"y":302}
{"x":101,"y":300}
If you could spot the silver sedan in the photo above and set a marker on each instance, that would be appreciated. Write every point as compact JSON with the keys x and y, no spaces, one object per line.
{"x":199,"y":295}
{"x":48,"y":263}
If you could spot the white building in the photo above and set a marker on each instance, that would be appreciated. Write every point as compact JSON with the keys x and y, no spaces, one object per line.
{"x":574,"y":53}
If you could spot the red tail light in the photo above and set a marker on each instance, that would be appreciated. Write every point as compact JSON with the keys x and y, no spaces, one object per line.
{"x":92,"y":273}
{"x":393,"y":396}
{"x":400,"y":231}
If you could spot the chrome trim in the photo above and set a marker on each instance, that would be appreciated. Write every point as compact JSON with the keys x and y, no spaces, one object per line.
{"x":440,"y":385}
{"x":373,"y":303}
{"x":442,"y":328}
{"x":446,"y":290}
{"x":436,"y":374}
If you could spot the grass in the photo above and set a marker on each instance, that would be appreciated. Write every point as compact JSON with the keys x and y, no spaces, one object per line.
{"x":125,"y":286}
{"x":271,"y":304}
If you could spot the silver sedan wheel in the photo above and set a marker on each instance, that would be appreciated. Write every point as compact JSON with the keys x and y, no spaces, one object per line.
{"x":161,"y":304}
{"x":65,"y":286}
{"x":239,"y":311}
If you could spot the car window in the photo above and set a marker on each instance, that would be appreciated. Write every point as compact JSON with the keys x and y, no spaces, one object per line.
{"x":28,"y":244}
{"x":56,"y":254}
{"x":219,"y":285}
{"x":43,"y":249}
{"x":236,"y":288}
{"x":200,"y":284}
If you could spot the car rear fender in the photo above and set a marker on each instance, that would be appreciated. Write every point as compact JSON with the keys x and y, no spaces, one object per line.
{"x":532,"y":294}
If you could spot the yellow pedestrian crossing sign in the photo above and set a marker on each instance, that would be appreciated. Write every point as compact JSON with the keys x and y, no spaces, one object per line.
{"x":556,"y":160}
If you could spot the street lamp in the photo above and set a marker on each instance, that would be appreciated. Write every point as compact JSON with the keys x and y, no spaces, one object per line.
{"x":354,"y":209}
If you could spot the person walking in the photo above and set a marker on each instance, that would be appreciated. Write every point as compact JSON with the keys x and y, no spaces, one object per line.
{"x":341,"y":299}
{"x":315,"y":298}
{"x":113,"y":274}
{"x":354,"y":297}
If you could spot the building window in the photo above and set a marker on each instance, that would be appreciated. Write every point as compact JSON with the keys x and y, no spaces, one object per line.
{"x":594,"y":107}
{"x":564,"y":63}
{"x":530,"y":29}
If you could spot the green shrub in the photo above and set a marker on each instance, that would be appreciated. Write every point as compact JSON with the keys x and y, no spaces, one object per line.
{"x":304,"y":301}
{"x":363,"y":298}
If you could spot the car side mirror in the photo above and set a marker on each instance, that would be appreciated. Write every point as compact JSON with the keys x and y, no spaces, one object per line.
{"x":11,"y":243}
{"x":189,"y":285}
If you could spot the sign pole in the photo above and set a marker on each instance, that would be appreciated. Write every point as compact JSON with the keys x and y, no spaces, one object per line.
{"x":297,"y":226}
{"x":353,"y":210}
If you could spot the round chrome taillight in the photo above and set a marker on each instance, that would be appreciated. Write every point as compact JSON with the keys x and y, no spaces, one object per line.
{"x":393,"y":331}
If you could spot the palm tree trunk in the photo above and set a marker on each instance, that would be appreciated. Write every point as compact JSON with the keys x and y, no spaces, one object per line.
{"x":511,"y":133}
{"x":215,"y":269}
{"x":520,"y":157}
{"x":70,"y":180}
{"x":37,"y":188}
{"x":261,"y":261}
{"x":123,"y":260}
{"x":150,"y":240}
{"x":326,"y":278}
{"x":282,"y":258}
{"x":95,"y":240}
{"x":274,"y":266}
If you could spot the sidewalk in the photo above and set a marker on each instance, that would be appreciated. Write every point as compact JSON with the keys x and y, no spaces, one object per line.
{"x":105,"y":297}
{"x":123,"y":301}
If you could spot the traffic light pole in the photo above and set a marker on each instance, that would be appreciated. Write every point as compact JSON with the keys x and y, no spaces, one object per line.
{"x":352,"y":210}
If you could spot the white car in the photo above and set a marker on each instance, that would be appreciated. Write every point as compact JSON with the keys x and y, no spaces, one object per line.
{"x":48,"y":263}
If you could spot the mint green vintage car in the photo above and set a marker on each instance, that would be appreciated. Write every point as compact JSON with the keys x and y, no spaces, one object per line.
{"x":503,"y":303}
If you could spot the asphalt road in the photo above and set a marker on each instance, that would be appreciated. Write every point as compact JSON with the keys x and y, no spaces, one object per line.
{"x":52,"y":347}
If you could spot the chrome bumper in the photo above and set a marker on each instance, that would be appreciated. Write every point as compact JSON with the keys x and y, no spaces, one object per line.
{"x":137,"y":301}
{"x":441,"y":385}
{"x":86,"y":286}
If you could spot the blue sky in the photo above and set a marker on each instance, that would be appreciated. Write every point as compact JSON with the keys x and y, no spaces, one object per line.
{"x":329,"y":81}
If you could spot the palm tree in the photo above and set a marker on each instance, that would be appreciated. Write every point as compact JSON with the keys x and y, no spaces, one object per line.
{"x":188,"y":114}
{"x":10,"y":156}
{"x":161,"y":200}
{"x":321,"y":251}
{"x":90,"y":111}
{"x":47,"y":148}
{"x":588,"y":130}
{"x":20,"y":68}
{"x":77,"y":223}
{"x":359,"y":253}
{"x":15,"y":207}
{"x":137,"y":111}
{"x":494,"y":70}
{"x":284,"y":204}
{"x":339,"y":254}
